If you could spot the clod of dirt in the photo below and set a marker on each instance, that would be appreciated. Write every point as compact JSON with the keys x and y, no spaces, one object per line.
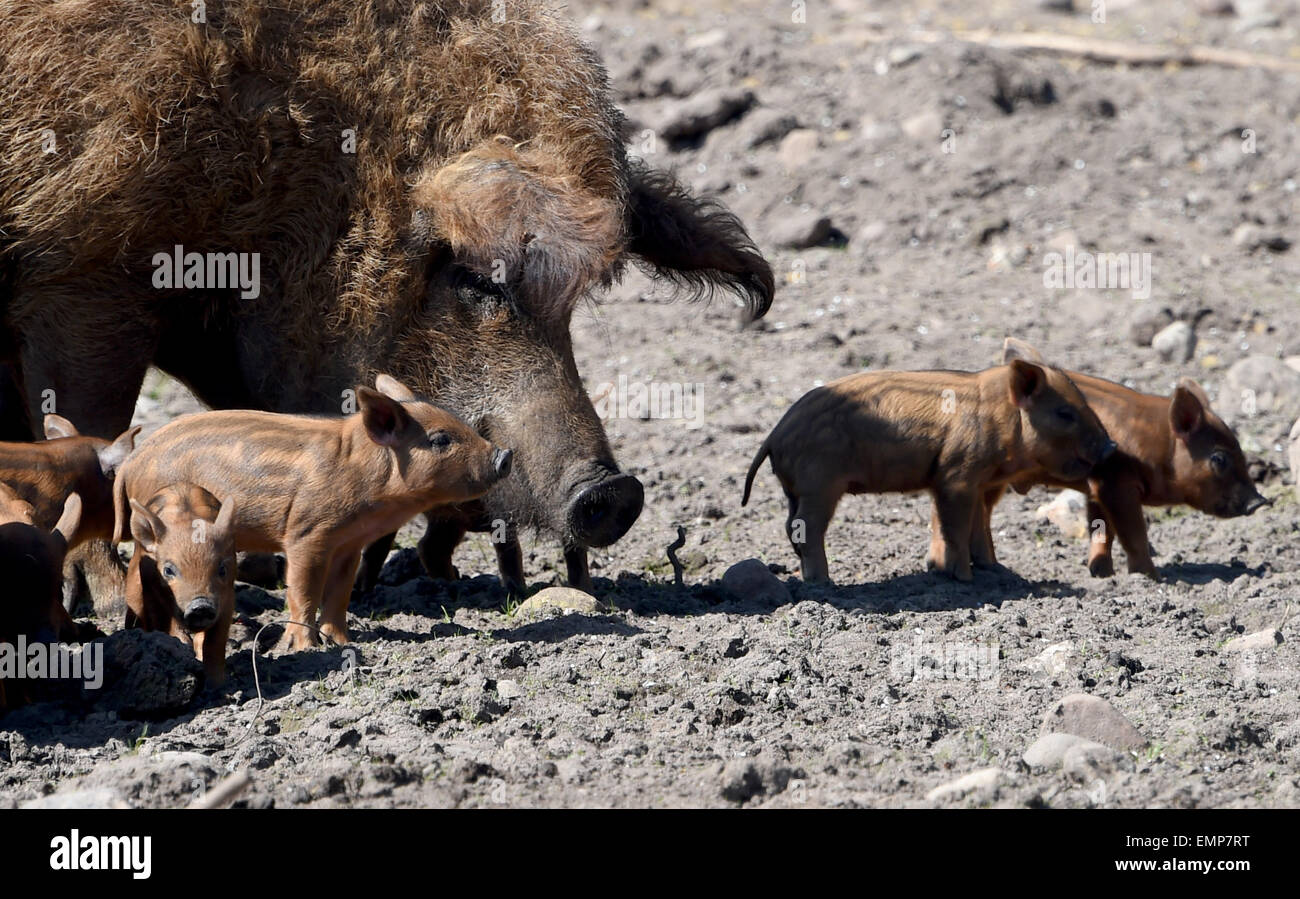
{"x":1049,"y":750}
{"x":801,"y":230}
{"x":1094,"y":718}
{"x":147,"y":675}
{"x":565,"y":598}
{"x":984,"y":782}
{"x":688,"y":121}
{"x":1147,"y":321}
{"x":752,"y":581}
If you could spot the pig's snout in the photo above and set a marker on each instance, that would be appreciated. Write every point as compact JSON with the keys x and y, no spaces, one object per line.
{"x":200,"y":614}
{"x":1255,"y":503}
{"x":502,"y":460}
{"x":604,"y":511}
{"x":1107,"y":450}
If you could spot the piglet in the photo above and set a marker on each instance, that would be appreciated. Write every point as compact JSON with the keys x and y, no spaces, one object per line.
{"x":318,"y":489}
{"x":182,"y":576}
{"x":1172,"y":450}
{"x":955,"y":434}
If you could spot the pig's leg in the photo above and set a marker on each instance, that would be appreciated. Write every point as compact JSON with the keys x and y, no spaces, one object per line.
{"x":955,"y":509}
{"x":1123,"y":502}
{"x":210,"y":647}
{"x":575,"y":563}
{"x":338,"y":592}
{"x":437,"y":546}
{"x":510,"y":565}
{"x":372,"y":562}
{"x":1101,"y":534}
{"x":812,"y":517}
{"x":981,"y":542}
{"x":308,"y":571}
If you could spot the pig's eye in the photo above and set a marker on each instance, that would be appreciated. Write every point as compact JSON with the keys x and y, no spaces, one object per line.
{"x":473,"y":287}
{"x":1066,"y":414}
{"x":1219,"y":461}
{"x":440,"y":440}
{"x":169,"y":571}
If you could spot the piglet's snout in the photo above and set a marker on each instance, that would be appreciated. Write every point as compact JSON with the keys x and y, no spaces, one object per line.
{"x":200,"y":614}
{"x":1107,"y":450}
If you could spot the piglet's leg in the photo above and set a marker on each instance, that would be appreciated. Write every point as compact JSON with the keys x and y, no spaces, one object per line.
{"x":210,"y":647}
{"x":1101,"y":535}
{"x":372,"y":562}
{"x":981,"y":538}
{"x":437,"y":547}
{"x":338,"y":592}
{"x":308,"y":571}
{"x":955,"y":508}
{"x":807,"y":530}
{"x":1123,"y":500}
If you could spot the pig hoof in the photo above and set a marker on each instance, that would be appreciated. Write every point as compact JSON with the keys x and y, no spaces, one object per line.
{"x":334,"y":634}
{"x":1102,"y":566}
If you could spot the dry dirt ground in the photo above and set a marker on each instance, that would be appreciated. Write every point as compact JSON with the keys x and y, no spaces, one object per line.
{"x":947,"y":171}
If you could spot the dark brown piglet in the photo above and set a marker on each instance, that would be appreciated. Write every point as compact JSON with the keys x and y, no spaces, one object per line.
{"x":44,"y":474}
{"x":182,"y":576}
{"x":952,"y":433}
{"x":1172,"y":450}
{"x":319,"y":489}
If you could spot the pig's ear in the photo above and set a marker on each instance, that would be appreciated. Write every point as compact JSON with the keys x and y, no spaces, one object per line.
{"x":391,"y":387}
{"x":1186,"y":411}
{"x":221,"y":528}
{"x":146,"y":528}
{"x":385,"y":419}
{"x":1014,"y":348}
{"x":1190,"y":385}
{"x":112,"y":456}
{"x":1026,"y":380}
{"x":694,"y":243}
{"x":57,"y":426}
{"x":70,"y":520}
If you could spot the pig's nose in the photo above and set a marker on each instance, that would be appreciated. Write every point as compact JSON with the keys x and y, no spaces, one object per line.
{"x":603,"y":512}
{"x":200,"y":614}
{"x":502,"y":460}
{"x":1257,"y":502}
{"x":1108,"y":450}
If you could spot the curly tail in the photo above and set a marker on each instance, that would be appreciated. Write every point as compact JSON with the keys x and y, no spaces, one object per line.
{"x":763,"y":452}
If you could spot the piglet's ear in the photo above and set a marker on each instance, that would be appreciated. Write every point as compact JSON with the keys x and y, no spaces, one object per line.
{"x":56,"y":426}
{"x":391,"y":387}
{"x":221,"y":528}
{"x":1186,"y":412}
{"x":112,"y":456}
{"x":70,"y":520}
{"x":1026,"y":380}
{"x":383,"y":416}
{"x":146,"y":528}
{"x":1014,"y":348}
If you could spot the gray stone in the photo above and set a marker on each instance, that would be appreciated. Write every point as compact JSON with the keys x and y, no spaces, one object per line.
{"x":750,"y":580}
{"x":985,"y":780}
{"x":702,"y":112}
{"x":1147,"y":321}
{"x":1049,"y":750}
{"x":78,"y":799}
{"x":801,"y":230}
{"x":1087,"y":761}
{"x":798,"y":147}
{"x":1265,"y":639}
{"x":1175,"y":342}
{"x":1094,"y":718}
{"x":1261,"y":385}
{"x":924,"y":126}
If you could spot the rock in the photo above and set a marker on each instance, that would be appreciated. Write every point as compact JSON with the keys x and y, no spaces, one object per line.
{"x":1069,"y":512}
{"x":901,"y":56}
{"x":1147,"y":321}
{"x":1086,"y":762}
{"x":985,"y":780}
{"x":1293,"y":454}
{"x":78,"y":799}
{"x":801,"y":230}
{"x":870,"y":233}
{"x":924,"y":126}
{"x":1175,"y":343}
{"x":797,"y":149}
{"x":509,"y":689}
{"x":147,"y":674}
{"x":1215,"y":7}
{"x":765,"y":126}
{"x":1260,"y":640}
{"x":564,"y":598}
{"x":876,"y":131}
{"x":1292,"y":362}
{"x":1250,"y":236}
{"x":1055,"y":660}
{"x":750,"y":581}
{"x":1094,"y":718}
{"x":697,"y":115}
{"x":1262,"y":385}
{"x":1049,"y":750}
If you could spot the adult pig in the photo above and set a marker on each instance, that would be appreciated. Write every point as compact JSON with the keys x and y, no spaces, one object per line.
{"x":430,"y":189}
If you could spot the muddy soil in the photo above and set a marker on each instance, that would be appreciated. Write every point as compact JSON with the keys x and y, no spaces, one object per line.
{"x":908,"y":216}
